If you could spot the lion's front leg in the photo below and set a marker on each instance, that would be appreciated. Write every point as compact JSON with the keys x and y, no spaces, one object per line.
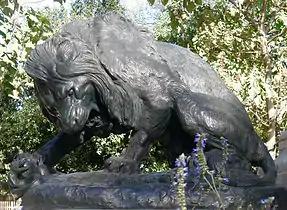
{"x":131,"y":157}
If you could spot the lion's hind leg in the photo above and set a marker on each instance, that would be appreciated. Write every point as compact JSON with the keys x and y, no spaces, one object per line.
{"x":199,"y":113}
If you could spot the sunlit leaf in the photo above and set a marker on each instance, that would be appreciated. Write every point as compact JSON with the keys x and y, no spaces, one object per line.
{"x":60,"y":1}
{"x":174,"y":23}
{"x":2,"y":34}
{"x":8,"y":11}
{"x":151,"y":2}
{"x":164,"y":2}
{"x":283,"y":17}
{"x":189,"y":5}
{"x":224,"y":36}
{"x":3,"y":3}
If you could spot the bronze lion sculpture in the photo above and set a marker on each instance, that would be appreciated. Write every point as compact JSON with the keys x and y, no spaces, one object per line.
{"x":103,"y":76}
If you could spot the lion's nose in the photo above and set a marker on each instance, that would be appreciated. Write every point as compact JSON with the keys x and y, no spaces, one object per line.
{"x":75,"y":115}
{"x":71,"y":125}
{"x":74,"y":120}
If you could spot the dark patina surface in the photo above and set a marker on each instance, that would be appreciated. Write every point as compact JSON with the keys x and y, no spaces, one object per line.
{"x":104,"y":76}
{"x":102,"y":190}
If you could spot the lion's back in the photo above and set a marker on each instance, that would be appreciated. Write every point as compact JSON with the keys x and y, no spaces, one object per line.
{"x":193,"y":71}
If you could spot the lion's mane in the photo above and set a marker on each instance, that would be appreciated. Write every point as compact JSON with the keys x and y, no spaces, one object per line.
{"x":72,"y":53}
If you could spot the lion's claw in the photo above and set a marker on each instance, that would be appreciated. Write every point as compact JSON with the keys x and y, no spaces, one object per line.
{"x":24,"y":171}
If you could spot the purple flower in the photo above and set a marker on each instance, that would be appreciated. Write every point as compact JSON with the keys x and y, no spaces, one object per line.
{"x":203,"y":142}
{"x":195,"y":150}
{"x":264,"y":201}
{"x":197,"y":138}
{"x":197,"y":169}
{"x":224,"y":141}
{"x":202,"y":190}
{"x":185,"y":174}
{"x":177,"y":163}
{"x":181,"y":161}
{"x":226,"y":179}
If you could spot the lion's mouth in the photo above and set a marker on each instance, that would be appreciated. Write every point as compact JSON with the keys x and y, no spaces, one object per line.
{"x":95,"y":121}
{"x":98,"y":126}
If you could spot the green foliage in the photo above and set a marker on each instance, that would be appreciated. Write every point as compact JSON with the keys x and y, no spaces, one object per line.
{"x":91,"y":155}
{"x":20,"y":31}
{"x":79,"y":10}
{"x":23,"y":128}
{"x":20,"y":131}
{"x":245,"y":42}
{"x":82,"y":9}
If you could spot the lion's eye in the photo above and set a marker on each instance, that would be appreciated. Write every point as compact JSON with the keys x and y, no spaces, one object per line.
{"x":71,"y":92}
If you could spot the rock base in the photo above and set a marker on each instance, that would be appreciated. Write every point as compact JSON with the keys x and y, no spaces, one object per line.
{"x":101,"y":190}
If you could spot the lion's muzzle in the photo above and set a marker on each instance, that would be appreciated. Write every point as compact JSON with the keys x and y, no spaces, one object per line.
{"x":74,"y":119}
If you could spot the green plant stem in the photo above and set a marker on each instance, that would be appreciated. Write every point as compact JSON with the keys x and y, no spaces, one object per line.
{"x":214,"y":189}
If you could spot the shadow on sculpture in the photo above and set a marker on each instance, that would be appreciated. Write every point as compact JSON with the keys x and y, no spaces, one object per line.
{"x":104,"y":76}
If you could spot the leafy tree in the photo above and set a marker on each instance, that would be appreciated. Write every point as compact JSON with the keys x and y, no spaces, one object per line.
{"x":87,"y":8}
{"x":23,"y":128}
{"x":245,"y":41}
{"x":20,"y":30}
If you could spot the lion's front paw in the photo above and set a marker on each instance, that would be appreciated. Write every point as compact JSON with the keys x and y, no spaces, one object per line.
{"x":121,"y":165}
{"x":25,"y":170}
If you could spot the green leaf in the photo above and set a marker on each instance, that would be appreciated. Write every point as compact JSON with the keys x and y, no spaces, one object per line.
{"x":30,"y":23}
{"x":279,"y":25}
{"x":44,"y":20}
{"x":3,"y":3}
{"x":8,"y":11}
{"x":283,"y":17}
{"x":151,"y":2}
{"x":189,"y":6}
{"x":174,"y":23}
{"x":164,"y":2}
{"x":60,"y":1}
{"x":2,"y":34}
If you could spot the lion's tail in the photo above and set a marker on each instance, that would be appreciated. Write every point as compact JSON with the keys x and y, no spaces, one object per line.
{"x":260,"y":157}
{"x":268,"y":166}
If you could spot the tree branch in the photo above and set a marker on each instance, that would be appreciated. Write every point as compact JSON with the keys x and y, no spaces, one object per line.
{"x":284,"y":30}
{"x":242,"y":37}
{"x":263,"y":16}
{"x":2,"y":83}
{"x":16,"y":6}
{"x":282,"y":6}
{"x":189,"y":44}
{"x":258,"y":118}
{"x":245,"y":13}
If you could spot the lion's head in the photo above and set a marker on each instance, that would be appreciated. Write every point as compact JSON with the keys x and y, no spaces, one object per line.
{"x":67,"y":83}
{"x":77,"y":82}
